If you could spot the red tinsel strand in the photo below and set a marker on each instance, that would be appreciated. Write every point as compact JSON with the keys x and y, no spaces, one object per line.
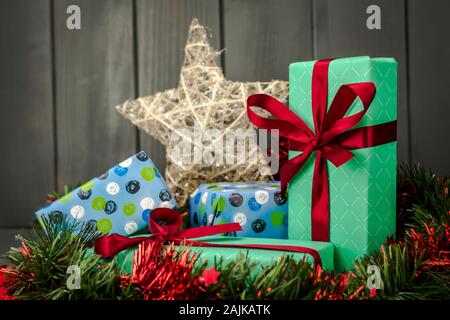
{"x":164,"y":274}
{"x":4,"y":284}
{"x":434,"y":245}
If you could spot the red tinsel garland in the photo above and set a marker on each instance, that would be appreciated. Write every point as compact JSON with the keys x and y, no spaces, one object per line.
{"x":163,"y":273}
{"x":3,"y":287}
{"x":434,"y":245}
{"x":167,"y":276}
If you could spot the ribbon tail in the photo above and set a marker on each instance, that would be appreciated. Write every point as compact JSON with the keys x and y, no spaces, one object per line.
{"x":336,"y":154}
{"x":297,"y":249}
{"x":366,"y":137}
{"x":290,"y":168}
{"x":320,"y":205}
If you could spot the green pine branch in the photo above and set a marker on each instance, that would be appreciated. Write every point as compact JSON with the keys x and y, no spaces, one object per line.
{"x":38,"y":268}
{"x":423,"y":196}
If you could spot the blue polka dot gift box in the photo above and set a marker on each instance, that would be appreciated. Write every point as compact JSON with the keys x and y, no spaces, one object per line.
{"x":259,"y":207}
{"x":118,"y":201}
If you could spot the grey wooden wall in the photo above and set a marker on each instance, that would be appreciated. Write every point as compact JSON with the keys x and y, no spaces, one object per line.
{"x":58,"y":88}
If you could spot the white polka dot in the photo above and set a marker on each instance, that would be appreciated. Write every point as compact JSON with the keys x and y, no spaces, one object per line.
{"x":77,"y":212}
{"x":210,"y":218}
{"x":131,"y":227}
{"x":126,"y":163}
{"x":204,"y":197}
{"x":147,"y":203}
{"x":240,"y":218}
{"x":261,"y":196}
{"x":112,"y":188}
{"x":166,"y":204}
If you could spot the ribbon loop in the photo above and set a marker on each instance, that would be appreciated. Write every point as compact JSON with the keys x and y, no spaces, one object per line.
{"x":287,"y":122}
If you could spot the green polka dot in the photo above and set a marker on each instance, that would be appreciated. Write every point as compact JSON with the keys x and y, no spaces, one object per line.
{"x":218,"y":204}
{"x":66,"y":198}
{"x":104,"y":225}
{"x":202,"y":208}
{"x":217,"y":189}
{"x":98,"y":203}
{"x":148,"y":173}
{"x":277,"y":218}
{"x":87,"y":186}
{"x":129,"y":209}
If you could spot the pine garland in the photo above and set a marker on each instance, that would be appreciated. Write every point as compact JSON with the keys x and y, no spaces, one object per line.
{"x":38,"y":269}
{"x":416,"y":266}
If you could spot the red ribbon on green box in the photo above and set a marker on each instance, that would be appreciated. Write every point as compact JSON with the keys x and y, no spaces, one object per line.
{"x":332,"y":138}
{"x":165,"y":226}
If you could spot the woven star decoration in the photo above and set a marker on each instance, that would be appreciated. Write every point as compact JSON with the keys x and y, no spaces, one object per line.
{"x":203,"y":100}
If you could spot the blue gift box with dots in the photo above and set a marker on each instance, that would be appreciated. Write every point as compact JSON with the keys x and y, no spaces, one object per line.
{"x":118,"y":201}
{"x":259,"y":207}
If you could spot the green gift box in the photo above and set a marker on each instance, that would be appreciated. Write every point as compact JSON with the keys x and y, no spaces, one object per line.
{"x":362,"y":191}
{"x":263,"y":256}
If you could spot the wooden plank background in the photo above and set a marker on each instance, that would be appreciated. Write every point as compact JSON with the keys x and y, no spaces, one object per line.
{"x":161,"y":35}
{"x":429,"y":94}
{"x":93,"y":73}
{"x":59,"y":87}
{"x":27,"y":119}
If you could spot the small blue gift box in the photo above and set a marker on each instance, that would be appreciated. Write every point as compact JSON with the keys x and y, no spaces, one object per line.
{"x":259,"y":207}
{"x":118,"y":201}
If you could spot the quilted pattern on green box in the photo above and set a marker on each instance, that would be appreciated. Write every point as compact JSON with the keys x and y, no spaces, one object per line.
{"x":362,"y":191}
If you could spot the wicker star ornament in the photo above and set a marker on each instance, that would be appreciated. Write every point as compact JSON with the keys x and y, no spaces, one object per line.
{"x":202,"y":111}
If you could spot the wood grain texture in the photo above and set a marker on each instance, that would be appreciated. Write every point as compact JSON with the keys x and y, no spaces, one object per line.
{"x":429,"y":94}
{"x":94,"y":73}
{"x":26,"y":130}
{"x":162,"y":27}
{"x":262,"y":37}
{"x":340,"y":31}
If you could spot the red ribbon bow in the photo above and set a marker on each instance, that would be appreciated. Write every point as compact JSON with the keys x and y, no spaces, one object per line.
{"x":331,"y":140}
{"x":110,"y":245}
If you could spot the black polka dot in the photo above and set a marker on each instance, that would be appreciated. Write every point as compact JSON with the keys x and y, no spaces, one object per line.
{"x":110,"y":207}
{"x":279,"y":198}
{"x":91,"y":226}
{"x":84,"y":195}
{"x":236,"y":199}
{"x":164,"y":195}
{"x":142,"y":156}
{"x":258,"y":225}
{"x":55,"y":217}
{"x":133,"y":186}
{"x":205,"y":220}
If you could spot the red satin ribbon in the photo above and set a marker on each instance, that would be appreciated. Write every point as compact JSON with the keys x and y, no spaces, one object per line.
{"x":110,"y":245}
{"x":332,"y":139}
